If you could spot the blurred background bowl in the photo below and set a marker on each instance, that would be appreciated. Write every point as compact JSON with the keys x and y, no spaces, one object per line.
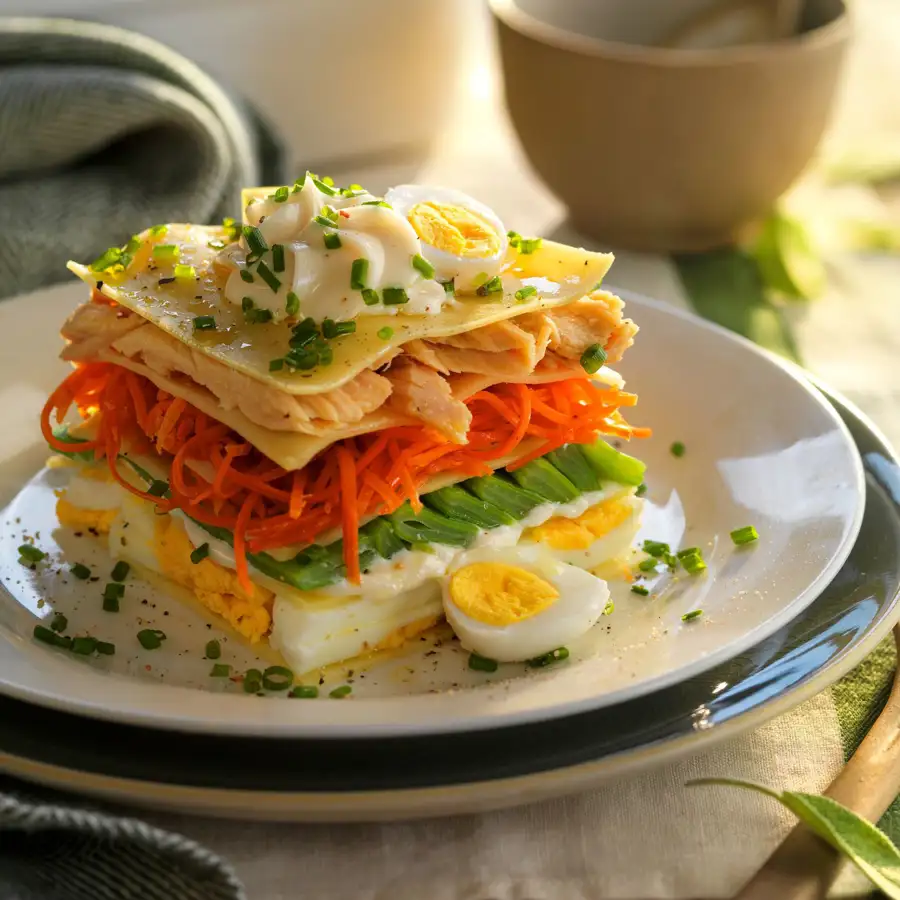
{"x":661,"y":148}
{"x":342,"y":81}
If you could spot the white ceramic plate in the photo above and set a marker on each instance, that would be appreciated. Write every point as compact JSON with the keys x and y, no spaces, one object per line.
{"x":763,"y":448}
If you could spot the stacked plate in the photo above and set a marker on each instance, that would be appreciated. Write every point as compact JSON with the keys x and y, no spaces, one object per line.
{"x":782,"y":618}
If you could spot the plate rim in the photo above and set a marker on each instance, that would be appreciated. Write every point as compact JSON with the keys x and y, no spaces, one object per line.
{"x":461,"y":722}
{"x":464,"y":796}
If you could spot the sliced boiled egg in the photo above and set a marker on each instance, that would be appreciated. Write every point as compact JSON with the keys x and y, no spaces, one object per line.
{"x":516,"y":603}
{"x":463,"y":239}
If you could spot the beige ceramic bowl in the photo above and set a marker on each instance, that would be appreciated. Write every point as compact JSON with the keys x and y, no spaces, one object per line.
{"x":660,"y":148}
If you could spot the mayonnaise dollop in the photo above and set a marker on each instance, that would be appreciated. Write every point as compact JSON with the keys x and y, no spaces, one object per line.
{"x":322,"y":235}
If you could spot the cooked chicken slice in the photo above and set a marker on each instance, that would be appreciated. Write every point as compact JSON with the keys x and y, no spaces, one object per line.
{"x":500,"y":337}
{"x":446,"y":359}
{"x":570,"y":329}
{"x":261,"y":403}
{"x":92,"y":327}
{"x":421,"y":392}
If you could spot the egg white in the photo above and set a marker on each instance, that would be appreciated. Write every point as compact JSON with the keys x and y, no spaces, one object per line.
{"x":582,"y":599}
{"x":465,"y":271}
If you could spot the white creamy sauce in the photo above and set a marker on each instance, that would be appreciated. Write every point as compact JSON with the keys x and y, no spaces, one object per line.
{"x":320,"y":275}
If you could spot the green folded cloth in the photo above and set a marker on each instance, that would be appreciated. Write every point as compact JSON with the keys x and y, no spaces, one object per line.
{"x":104,"y":132}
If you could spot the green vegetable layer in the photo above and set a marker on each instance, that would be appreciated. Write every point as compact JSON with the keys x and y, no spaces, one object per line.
{"x":453,"y":516}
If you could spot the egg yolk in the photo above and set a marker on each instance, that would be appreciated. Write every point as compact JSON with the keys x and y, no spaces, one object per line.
{"x":580,"y":533}
{"x":217,"y":588}
{"x":77,"y":517}
{"x":500,"y":594}
{"x":455,"y":230}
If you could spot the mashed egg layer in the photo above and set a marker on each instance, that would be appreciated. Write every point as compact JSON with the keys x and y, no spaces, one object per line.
{"x":81,"y":519}
{"x":215,"y":587}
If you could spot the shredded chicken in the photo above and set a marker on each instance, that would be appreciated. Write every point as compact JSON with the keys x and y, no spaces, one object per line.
{"x":530,"y":348}
{"x":420,"y":392}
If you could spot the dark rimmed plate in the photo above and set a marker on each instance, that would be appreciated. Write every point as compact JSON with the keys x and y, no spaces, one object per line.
{"x":384,"y":778}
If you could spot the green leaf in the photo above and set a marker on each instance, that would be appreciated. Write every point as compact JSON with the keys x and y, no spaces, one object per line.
{"x":725,"y":287}
{"x":860,"y":841}
{"x":788,"y":260}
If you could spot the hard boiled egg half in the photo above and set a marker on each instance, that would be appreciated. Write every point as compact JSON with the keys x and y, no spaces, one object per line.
{"x":516,"y":603}
{"x":463,"y":239}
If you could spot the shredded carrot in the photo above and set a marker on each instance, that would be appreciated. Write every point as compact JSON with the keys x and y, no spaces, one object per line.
{"x":350,"y":514}
{"x":219,"y":479}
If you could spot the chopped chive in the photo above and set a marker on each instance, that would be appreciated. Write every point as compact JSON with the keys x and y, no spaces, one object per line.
{"x":688,"y":551}
{"x":252,"y":681}
{"x":693,"y":564}
{"x":386,"y":333}
{"x":277,"y":678}
{"x":151,"y":638}
{"x":247,"y":304}
{"x":340,"y":692}
{"x":325,"y":222}
{"x":110,"y":604}
{"x":656,"y":548}
{"x":421,"y":265}
{"x":278,"y":257}
{"x":268,"y":276}
{"x":213,"y":649}
{"x":220,"y":670}
{"x":47,"y":636}
{"x":114,"y":589}
{"x":640,"y":490}
{"x":323,"y":186}
{"x":547,"y":659}
{"x":359,"y":272}
{"x":198,"y":554}
{"x":332,"y":329}
{"x":593,"y":358}
{"x":746,"y":535}
{"x":394,"y":296}
{"x":522,"y":244}
{"x":120,"y":571}
{"x":304,"y":692}
{"x":107,"y":259}
{"x":449,"y":286}
{"x":204,"y":323}
{"x":609,"y":609}
{"x":677,"y":449}
{"x":80,"y":570}
{"x":482,"y":663}
{"x":639,"y":589}
{"x":302,"y":358}
{"x":648,"y":565}
{"x":159,"y":231}
{"x":185,"y":273}
{"x":332,"y":240}
{"x":292,"y":304}
{"x":326,"y":356}
{"x":59,"y":622}
{"x":383,"y":203}
{"x":31,"y":553}
{"x":693,"y":614}
{"x":247,"y":275}
{"x":280,"y":195}
{"x":276,"y":365}
{"x":84,"y":646}
{"x":165,"y":252}
{"x":257,"y":316}
{"x":105,"y":648}
{"x":216,"y":245}
{"x":370,"y":297}
{"x":298,"y":184}
{"x":158,"y":488}
{"x":524,"y":293}
{"x":255,"y":241}
{"x":491,"y":286}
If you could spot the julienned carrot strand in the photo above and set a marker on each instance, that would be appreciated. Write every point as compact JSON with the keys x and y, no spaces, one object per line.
{"x":349,"y":512}
{"x":388,"y":467}
{"x":240,"y":545}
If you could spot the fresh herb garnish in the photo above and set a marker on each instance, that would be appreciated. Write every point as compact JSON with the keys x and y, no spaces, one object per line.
{"x":220,"y":670}
{"x":332,"y":329}
{"x":593,"y":358}
{"x":359,"y":272}
{"x":165,"y":252}
{"x":277,"y":678}
{"x":185,"y":273}
{"x":491,"y":286}
{"x":213,"y":649}
{"x":247,"y":275}
{"x":151,"y":638}
{"x":482,"y":663}
{"x":255,"y":240}
{"x":30,"y":553}
{"x":370,"y":297}
{"x":278,"y":257}
{"x":547,"y":659}
{"x":746,"y":535}
{"x":80,"y":570}
{"x":120,"y":571}
{"x":198,"y":554}
{"x":304,"y":692}
{"x":394,"y":296}
{"x":524,"y":293}
{"x":332,"y":240}
{"x":340,"y":692}
{"x":268,"y":276}
{"x":693,"y":614}
{"x":204,"y":323}
{"x":421,"y":265}
{"x":523,"y":244}
{"x":386,"y":333}
{"x":677,"y":449}
{"x":292,"y":304}
{"x":59,"y":622}
{"x":640,"y":589}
